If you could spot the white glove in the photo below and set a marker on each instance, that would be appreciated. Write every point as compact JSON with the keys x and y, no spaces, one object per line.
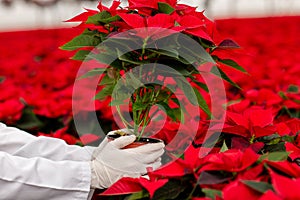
{"x":110,"y":162}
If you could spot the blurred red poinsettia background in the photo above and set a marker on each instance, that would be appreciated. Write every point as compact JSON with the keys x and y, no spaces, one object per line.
{"x":257,"y":155}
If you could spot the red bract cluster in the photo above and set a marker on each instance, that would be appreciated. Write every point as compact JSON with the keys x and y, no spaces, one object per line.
{"x":138,"y":14}
{"x":37,"y":82}
{"x":257,"y":155}
{"x":29,"y":65}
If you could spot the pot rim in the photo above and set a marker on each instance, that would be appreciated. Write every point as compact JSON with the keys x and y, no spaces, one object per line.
{"x":141,"y":140}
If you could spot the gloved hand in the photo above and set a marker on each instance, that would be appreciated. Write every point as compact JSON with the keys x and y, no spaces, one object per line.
{"x":110,"y":162}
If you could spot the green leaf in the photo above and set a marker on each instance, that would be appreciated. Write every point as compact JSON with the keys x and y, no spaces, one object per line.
{"x":121,"y":94}
{"x":212,"y":140}
{"x":173,"y":53}
{"x":274,"y":141}
{"x":28,"y":120}
{"x":232,"y":102}
{"x":123,"y":44}
{"x":202,"y":103}
{"x":102,"y":17}
{"x":292,"y":113}
{"x":163,"y":95}
{"x":105,"y":92}
{"x":189,"y":51}
{"x":178,"y":114}
{"x":139,"y":106}
{"x":224,"y":147}
{"x":106,"y":58}
{"x":106,"y":80}
{"x":293,"y":88}
{"x":178,"y":155}
{"x":165,"y":8}
{"x":258,"y":186}
{"x":275,"y":156}
{"x":137,"y":195}
{"x":176,"y":24}
{"x":81,"y":55}
{"x":274,"y":148}
{"x":2,"y":79}
{"x":230,"y":63}
{"x":93,"y":72}
{"x":175,"y":100}
{"x":116,"y":102}
{"x":128,"y":59}
{"x":188,"y":90}
{"x":111,"y":19}
{"x":282,"y":95}
{"x":86,"y":39}
{"x":97,"y":18}
{"x":218,"y":72}
{"x":269,"y":137}
{"x":201,"y":85}
{"x":233,"y":64}
{"x":171,"y":190}
{"x":193,"y":54}
{"x":132,"y":82}
{"x":289,"y":138}
{"x":169,"y":111}
{"x":212,"y":193}
{"x":178,"y":71}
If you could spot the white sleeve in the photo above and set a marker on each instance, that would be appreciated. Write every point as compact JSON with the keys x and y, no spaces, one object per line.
{"x":20,"y":143}
{"x":40,"y":178}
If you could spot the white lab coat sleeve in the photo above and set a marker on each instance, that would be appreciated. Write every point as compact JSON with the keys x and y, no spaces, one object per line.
{"x":20,"y":143}
{"x":40,"y":178}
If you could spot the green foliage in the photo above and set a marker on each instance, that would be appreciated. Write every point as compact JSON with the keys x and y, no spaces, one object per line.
{"x":202,"y":103}
{"x":2,"y":78}
{"x":86,"y":39}
{"x":293,"y":88}
{"x":275,"y":156}
{"x":138,"y":195}
{"x":261,"y":187}
{"x":224,"y":147}
{"x":81,"y":55}
{"x":275,"y":146}
{"x":165,"y":8}
{"x":93,"y":72}
{"x":174,"y":114}
{"x":105,"y":92}
{"x":136,"y":57}
{"x":171,"y":190}
{"x":29,"y":120}
{"x":230,"y":63}
{"x":102,"y":17}
{"x":211,"y":193}
{"x":219,"y":72}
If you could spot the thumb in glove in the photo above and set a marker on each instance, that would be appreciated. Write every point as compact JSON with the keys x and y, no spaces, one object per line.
{"x":111,"y":162}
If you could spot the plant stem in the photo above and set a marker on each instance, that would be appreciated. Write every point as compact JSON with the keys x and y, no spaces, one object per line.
{"x":144,"y":46}
{"x":124,"y":121}
{"x":145,"y":122}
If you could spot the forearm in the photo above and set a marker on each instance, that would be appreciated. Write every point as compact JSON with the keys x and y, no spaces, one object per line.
{"x":54,"y":149}
{"x":20,"y":143}
{"x":11,"y":139}
{"x":40,"y":178}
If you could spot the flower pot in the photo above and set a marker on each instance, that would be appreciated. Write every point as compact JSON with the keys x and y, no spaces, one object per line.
{"x":137,"y":143}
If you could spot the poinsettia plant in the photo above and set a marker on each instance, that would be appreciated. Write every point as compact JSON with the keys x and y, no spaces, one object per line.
{"x":262,"y":117}
{"x":136,"y":43}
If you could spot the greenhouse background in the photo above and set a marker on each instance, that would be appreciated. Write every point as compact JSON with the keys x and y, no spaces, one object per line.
{"x":227,"y":113}
{"x":19,"y":14}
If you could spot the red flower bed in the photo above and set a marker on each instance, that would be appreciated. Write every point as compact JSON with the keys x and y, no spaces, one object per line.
{"x":250,"y":160}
